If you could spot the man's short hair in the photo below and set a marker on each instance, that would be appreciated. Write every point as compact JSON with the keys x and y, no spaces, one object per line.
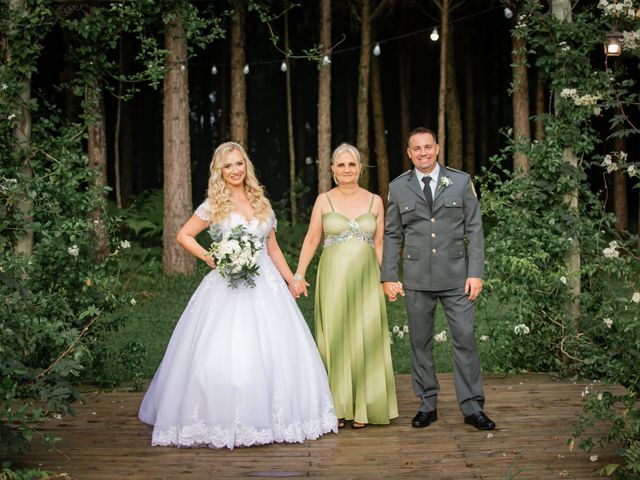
{"x":419,"y":130}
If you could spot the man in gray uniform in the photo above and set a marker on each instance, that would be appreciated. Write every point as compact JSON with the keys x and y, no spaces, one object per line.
{"x":433,"y":211}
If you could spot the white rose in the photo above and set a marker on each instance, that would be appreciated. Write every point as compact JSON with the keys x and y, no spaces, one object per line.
{"x":636,"y":297}
{"x":608,"y":322}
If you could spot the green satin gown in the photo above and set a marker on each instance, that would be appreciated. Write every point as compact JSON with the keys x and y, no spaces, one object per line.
{"x":351,"y":321}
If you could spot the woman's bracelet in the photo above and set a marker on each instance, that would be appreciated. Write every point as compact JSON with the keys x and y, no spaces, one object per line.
{"x":298,"y":277}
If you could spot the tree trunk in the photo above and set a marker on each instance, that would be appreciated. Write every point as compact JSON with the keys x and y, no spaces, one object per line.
{"x":541,"y":107}
{"x":324,"y":100}
{"x":22,"y":134}
{"x":469,"y":104}
{"x":453,"y":116}
{"x":404,"y":89}
{"x":176,"y":150}
{"x":118,"y":127}
{"x":239,"y":121}
{"x":292,"y":150}
{"x":97,"y":153}
{"x":521,"y":113}
{"x":620,"y":207}
{"x":482,"y":100}
{"x":382,"y":158}
{"x":561,"y":9}
{"x":363,"y":90}
{"x":127,"y":132}
{"x":442,"y":91}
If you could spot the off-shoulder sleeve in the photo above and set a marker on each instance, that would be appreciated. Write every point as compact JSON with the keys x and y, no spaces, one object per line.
{"x":203,"y":212}
{"x":273,"y":220}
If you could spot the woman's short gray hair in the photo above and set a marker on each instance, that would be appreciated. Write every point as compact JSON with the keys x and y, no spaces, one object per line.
{"x":346,"y":148}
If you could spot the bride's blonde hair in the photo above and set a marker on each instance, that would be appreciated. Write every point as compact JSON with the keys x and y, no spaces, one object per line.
{"x":218,"y":193}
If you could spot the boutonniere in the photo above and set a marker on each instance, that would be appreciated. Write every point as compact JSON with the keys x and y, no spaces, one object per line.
{"x":445,"y":182}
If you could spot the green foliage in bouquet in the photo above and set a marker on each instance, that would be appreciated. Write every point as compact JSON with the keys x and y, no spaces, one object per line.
{"x":235,"y":252}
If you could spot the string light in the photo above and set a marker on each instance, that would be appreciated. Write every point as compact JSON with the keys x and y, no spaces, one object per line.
{"x":283,"y":66}
{"x":245,"y":70}
{"x":376,"y":50}
{"x":508,"y":13}
{"x":326,"y":60}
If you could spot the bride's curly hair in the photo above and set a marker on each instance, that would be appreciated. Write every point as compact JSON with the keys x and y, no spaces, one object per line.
{"x":218,"y":193}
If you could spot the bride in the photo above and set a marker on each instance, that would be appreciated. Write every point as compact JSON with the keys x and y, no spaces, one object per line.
{"x":241,"y":367}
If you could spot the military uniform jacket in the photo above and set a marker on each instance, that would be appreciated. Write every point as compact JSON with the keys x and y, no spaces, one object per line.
{"x":443,"y":247}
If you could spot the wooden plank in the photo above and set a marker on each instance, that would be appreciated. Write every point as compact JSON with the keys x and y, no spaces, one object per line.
{"x":534,"y":414}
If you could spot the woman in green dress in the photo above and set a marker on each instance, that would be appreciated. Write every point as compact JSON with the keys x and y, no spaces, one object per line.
{"x":350,"y":314}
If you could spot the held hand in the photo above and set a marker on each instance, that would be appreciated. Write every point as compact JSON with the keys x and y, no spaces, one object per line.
{"x":301,"y":287}
{"x":392,"y":290}
{"x":208,"y":259}
{"x":473,"y":286}
{"x":293,"y":290}
{"x":298,"y":287}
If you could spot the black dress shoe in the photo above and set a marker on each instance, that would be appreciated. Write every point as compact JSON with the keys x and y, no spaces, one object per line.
{"x":424,"y":419}
{"x":480,"y":421}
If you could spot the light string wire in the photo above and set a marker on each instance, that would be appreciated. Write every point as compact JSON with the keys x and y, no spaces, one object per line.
{"x":358,"y":47}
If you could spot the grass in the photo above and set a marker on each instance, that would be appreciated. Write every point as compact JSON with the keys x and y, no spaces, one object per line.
{"x":160,"y":301}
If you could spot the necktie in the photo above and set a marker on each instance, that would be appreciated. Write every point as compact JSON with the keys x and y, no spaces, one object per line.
{"x":427,"y":191}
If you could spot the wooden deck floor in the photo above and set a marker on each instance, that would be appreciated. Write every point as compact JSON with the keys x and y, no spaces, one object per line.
{"x":533,"y":413}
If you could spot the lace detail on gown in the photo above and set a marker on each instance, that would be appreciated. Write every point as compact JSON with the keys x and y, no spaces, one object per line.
{"x":198,"y":434}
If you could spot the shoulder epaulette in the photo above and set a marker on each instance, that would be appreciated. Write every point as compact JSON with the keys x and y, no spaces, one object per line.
{"x":403,"y":174}
{"x":456,"y":170}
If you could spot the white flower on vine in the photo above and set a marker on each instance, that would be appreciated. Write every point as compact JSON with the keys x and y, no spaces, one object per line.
{"x":599,"y":397}
{"x":568,"y":93}
{"x":521,"y":329}
{"x":441,"y":337}
{"x":73,"y":250}
{"x":608,"y":322}
{"x":593,"y":458}
{"x":124,"y":244}
{"x":11,"y":117}
{"x":396,"y":329}
{"x":4,"y":86}
{"x":133,"y":301}
{"x":636,"y":297}
{"x":400,"y":334}
{"x":612,"y":250}
{"x":630,"y":39}
{"x":484,"y":338}
{"x":405,"y":328}
{"x":563,"y":280}
{"x":631,"y":169}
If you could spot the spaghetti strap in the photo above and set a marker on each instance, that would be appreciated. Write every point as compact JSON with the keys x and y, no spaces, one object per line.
{"x":371,"y":204}
{"x":330,"y":204}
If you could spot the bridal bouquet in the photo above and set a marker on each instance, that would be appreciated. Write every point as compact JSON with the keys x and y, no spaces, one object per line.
{"x":236,"y":253}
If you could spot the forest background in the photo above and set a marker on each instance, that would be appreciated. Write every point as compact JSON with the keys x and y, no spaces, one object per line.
{"x":110,"y":111}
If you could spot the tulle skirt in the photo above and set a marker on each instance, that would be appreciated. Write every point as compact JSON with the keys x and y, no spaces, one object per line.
{"x":241,"y":369}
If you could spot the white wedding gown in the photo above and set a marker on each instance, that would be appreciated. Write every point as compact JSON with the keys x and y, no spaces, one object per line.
{"x":241,"y":367}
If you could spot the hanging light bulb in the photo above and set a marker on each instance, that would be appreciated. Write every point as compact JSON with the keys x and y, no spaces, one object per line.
{"x":283,"y":66}
{"x":245,"y":70}
{"x":376,"y":50}
{"x":434,"y":35}
{"x":214,"y":70}
{"x":508,"y":13}
{"x":326,"y":60}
